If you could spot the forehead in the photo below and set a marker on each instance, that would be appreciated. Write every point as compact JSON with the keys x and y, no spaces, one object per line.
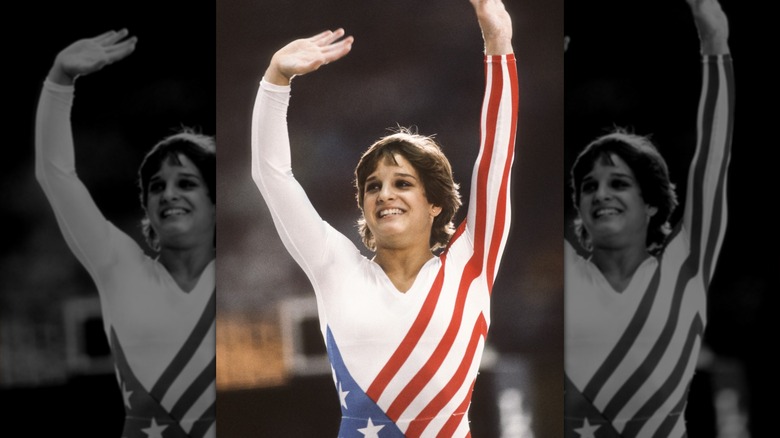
{"x":607,"y":165}
{"x":174,"y":164}
{"x":396,"y":163}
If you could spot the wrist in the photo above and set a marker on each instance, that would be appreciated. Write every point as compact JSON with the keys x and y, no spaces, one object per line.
{"x":274,"y":76}
{"x":58,"y":75}
{"x":714,"y":46}
{"x":498,"y":46}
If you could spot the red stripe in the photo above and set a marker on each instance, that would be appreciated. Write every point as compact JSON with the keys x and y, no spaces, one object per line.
{"x":418,"y":425}
{"x":452,"y":423}
{"x":471,"y":271}
{"x":501,"y":206}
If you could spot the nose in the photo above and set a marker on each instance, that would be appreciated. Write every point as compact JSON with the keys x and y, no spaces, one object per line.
{"x":602,"y":193}
{"x":170,"y":193}
{"x":386,"y":193}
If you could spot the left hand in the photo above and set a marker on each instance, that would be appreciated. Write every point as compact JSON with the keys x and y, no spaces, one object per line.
{"x":712,"y":25}
{"x":496,"y":25}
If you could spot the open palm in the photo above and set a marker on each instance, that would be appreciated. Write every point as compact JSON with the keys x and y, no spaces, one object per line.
{"x":89,"y":55}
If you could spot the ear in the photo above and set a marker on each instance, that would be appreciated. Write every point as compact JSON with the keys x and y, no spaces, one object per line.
{"x":435,"y":210}
{"x":651,"y":211}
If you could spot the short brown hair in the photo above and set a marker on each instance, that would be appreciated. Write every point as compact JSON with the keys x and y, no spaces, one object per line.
{"x":650,"y":170}
{"x":435,"y":172}
{"x":199,"y":148}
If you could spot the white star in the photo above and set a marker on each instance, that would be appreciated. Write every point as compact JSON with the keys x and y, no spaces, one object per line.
{"x":343,"y":397}
{"x":587,"y":430}
{"x":126,"y":395}
{"x":154,"y":430}
{"x":371,"y":431}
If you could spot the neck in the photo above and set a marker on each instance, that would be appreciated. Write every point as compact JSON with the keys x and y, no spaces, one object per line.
{"x":619,"y":264}
{"x":402,"y":265}
{"x":187,"y":264}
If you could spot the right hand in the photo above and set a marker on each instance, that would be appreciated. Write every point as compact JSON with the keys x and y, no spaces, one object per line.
{"x":307,"y":55}
{"x":89,"y":55}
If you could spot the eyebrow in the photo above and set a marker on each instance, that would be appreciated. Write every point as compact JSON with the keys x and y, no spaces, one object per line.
{"x":401,"y":174}
{"x":156,"y":176}
{"x":618,"y":174}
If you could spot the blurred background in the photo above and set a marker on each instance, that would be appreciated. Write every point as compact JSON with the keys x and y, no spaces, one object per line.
{"x":414,"y":64}
{"x":636,"y":65}
{"x":55,"y":369}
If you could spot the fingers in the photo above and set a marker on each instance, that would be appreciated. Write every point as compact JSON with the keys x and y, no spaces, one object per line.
{"x":116,"y":36}
{"x":119,"y":51}
{"x":338,"y":50}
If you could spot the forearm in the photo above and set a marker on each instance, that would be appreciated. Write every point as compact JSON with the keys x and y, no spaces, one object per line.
{"x":83,"y":226}
{"x":705,"y":209}
{"x":489,"y":206}
{"x":299,"y":226}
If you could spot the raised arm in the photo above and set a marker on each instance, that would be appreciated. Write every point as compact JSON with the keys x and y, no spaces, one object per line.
{"x":301,"y":229}
{"x":489,"y":213}
{"x":82,"y":225}
{"x":705,"y":201}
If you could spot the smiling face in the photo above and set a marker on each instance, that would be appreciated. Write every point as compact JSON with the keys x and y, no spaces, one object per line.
{"x":178,"y":205}
{"x":395,"y":207}
{"x":611,"y":206}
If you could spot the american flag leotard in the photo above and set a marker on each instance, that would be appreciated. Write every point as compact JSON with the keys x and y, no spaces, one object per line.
{"x":162,"y":338}
{"x":630,"y":356}
{"x":404,"y":364}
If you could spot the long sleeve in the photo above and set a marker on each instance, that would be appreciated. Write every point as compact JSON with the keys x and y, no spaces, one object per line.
{"x":300,"y":227}
{"x":489,"y":213}
{"x":84,"y":228}
{"x":705,"y":202}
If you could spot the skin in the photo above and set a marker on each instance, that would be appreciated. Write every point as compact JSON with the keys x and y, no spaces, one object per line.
{"x":616,"y":218}
{"x":401,"y":258}
{"x":185,"y":254}
{"x":401,"y":237}
{"x":184,"y":218}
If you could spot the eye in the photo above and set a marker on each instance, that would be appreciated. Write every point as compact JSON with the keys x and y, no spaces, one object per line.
{"x":588,"y":187}
{"x":620,"y":184}
{"x":156,"y":187}
{"x":372,"y":187}
{"x":188,"y":184}
{"x":402,"y":183}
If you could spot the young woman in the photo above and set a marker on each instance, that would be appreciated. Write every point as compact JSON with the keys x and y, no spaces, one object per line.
{"x":636,"y":298}
{"x":158,"y":313}
{"x":405,"y":329}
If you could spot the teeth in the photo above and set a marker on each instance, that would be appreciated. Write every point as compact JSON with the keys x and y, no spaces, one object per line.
{"x":390,"y":211}
{"x":173,"y":212}
{"x":604,"y":212}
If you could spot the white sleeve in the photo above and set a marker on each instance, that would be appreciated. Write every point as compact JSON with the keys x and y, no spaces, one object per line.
{"x":303,"y":232}
{"x":84,"y":228}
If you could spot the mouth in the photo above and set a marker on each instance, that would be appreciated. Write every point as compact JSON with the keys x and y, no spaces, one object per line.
{"x":171,"y":212}
{"x":389,"y":212}
{"x":605,"y":212}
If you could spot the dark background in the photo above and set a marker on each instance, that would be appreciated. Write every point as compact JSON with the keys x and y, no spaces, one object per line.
{"x":636,"y":65}
{"x":119,"y":113}
{"x":412,"y":63}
